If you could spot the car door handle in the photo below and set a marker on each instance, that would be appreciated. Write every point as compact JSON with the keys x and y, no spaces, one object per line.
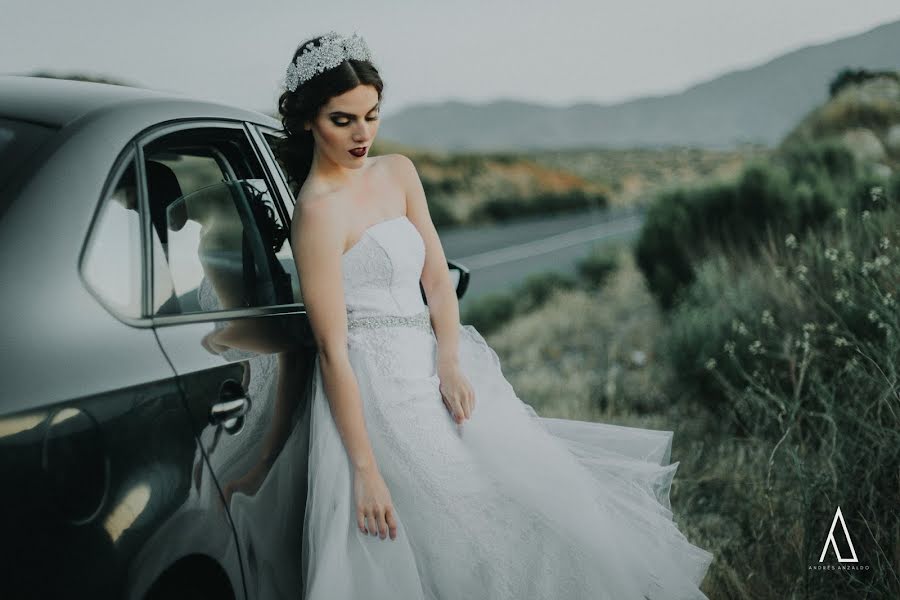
{"x":230,"y":409}
{"x":233,"y":403}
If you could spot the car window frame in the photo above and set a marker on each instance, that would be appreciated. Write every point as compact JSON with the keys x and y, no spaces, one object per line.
{"x":276,"y":177}
{"x":115,"y":172}
{"x":148,"y":137}
{"x":286,"y":200}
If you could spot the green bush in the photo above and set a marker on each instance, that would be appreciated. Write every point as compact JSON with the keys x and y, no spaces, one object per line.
{"x":874,"y":193}
{"x":490,"y":312}
{"x":537,"y":289}
{"x":684,"y":225}
{"x":494,"y":310}
{"x":440,"y":214}
{"x":507,"y":207}
{"x":597,"y":266}
{"x":814,"y":161}
{"x":797,"y":351}
{"x":848,"y":76}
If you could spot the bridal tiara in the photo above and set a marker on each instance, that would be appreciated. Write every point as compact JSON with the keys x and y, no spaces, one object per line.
{"x":333,"y":49}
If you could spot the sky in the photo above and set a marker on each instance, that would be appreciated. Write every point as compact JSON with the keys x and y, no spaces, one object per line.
{"x":555,"y":53}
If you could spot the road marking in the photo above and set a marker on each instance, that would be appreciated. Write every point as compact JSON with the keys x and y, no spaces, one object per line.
{"x":547,"y":244}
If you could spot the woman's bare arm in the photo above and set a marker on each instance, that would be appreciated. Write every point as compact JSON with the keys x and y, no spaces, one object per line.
{"x":456,"y":391}
{"x":317,"y":233}
{"x":442,"y":302}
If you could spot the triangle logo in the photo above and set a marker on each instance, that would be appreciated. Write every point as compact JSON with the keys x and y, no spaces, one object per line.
{"x":830,"y":541}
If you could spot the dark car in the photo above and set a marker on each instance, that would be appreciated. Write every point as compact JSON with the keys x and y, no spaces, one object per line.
{"x":157,"y":356}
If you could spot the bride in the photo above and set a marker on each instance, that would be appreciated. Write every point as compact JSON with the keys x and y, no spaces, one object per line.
{"x":428,"y":477}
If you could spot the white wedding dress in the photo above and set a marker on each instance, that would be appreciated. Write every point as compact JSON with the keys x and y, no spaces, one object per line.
{"x":508,"y":505}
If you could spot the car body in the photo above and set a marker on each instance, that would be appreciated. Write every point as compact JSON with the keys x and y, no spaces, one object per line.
{"x":157,"y":355}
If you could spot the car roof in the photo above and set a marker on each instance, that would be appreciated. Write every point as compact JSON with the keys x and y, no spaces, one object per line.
{"x":58,"y":102}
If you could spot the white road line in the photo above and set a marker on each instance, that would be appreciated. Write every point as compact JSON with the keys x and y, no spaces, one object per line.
{"x":547,"y":244}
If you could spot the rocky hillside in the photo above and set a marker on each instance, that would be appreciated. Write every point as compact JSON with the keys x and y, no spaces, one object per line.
{"x":863,"y":114}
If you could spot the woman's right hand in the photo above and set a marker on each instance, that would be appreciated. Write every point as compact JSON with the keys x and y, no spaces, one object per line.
{"x":374,"y":507}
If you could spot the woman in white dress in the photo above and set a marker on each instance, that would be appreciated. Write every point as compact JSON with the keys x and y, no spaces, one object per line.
{"x":428,"y":476}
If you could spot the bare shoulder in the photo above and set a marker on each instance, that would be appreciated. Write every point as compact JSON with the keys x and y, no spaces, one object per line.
{"x":398,"y":164}
{"x":404,"y":174}
{"x":315,"y":208}
{"x":318,"y":224}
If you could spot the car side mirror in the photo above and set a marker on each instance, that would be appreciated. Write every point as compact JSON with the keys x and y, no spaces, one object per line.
{"x":459,"y":275}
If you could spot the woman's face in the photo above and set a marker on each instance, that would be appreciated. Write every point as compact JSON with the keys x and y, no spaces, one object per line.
{"x":346,"y":122}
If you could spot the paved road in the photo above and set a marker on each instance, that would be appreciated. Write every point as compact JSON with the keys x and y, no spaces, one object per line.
{"x":500,"y":256}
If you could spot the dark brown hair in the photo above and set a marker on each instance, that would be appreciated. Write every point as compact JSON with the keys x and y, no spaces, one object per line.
{"x":295,"y":151}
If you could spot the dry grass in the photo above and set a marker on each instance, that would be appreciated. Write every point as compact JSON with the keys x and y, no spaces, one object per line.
{"x":586,"y":367}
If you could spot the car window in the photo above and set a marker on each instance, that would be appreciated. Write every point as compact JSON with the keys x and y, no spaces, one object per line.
{"x":112,"y":260}
{"x":218,"y":241}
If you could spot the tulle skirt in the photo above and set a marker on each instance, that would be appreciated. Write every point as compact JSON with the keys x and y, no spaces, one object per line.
{"x":507,"y":505}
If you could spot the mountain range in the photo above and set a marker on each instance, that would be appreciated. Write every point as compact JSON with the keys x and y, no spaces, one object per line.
{"x":755,"y":105}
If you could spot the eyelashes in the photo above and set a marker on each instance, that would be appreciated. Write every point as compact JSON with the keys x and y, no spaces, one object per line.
{"x":345,"y":123}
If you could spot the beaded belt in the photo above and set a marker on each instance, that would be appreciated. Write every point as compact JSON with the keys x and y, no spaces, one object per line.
{"x":422,"y":319}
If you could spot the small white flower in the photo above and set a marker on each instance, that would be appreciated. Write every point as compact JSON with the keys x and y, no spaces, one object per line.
{"x":739,"y":327}
{"x":842,"y":295}
{"x":729,"y":347}
{"x":711,"y":364}
{"x":865,"y":215}
{"x":888,"y":300}
{"x":867,"y":267}
{"x":755,"y":347}
{"x":876,"y":193}
{"x":882,"y":261}
{"x":840,"y":341}
{"x":842,"y":213}
{"x":831,"y":254}
{"x":790,"y":241}
{"x":767,"y":318}
{"x":872,"y":316}
{"x":885,"y":243}
{"x":831,"y":327}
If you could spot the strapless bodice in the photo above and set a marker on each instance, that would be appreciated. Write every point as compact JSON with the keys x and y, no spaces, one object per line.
{"x":381,"y":271}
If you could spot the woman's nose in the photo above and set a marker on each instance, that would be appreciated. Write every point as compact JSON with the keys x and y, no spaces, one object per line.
{"x":361,"y":132}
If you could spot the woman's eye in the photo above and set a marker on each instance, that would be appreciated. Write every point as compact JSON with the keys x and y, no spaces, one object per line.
{"x":344,"y":123}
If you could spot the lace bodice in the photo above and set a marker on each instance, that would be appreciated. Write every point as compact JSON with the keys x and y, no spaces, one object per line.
{"x":381,"y":271}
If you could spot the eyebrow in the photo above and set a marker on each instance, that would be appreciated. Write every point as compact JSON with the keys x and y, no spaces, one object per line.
{"x":341,"y":113}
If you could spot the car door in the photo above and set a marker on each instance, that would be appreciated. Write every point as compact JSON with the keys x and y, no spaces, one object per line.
{"x":225,"y":313}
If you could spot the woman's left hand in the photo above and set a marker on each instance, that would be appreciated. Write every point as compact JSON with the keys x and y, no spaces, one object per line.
{"x":457,"y":392}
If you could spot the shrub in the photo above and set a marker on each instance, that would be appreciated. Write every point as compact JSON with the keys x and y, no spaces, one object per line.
{"x":797,"y":351}
{"x":594,"y":269}
{"x":492,"y":311}
{"x":684,"y":225}
{"x":507,"y":207}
